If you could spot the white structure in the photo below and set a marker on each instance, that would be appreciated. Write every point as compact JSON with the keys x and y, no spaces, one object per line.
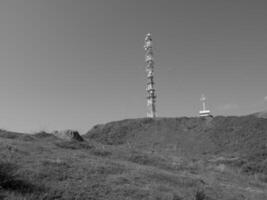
{"x":204,"y":112}
{"x":151,"y":97}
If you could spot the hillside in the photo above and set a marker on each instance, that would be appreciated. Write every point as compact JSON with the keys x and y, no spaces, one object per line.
{"x":262,"y":114}
{"x":191,"y":136}
{"x":221,"y":158}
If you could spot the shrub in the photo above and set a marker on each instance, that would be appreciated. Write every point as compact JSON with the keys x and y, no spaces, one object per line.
{"x":176,"y":197}
{"x":101,"y":153}
{"x":6,"y":174}
{"x":42,"y":134}
{"x":10,"y":181}
{"x":200,"y":195}
{"x":74,"y":145}
{"x":9,"y":135}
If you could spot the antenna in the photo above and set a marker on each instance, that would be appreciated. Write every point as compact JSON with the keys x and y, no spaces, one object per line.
{"x":203,"y":99}
{"x":149,"y":59}
{"x":204,"y":112}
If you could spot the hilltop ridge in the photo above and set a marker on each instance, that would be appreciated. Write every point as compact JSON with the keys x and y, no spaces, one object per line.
{"x":192,"y":135}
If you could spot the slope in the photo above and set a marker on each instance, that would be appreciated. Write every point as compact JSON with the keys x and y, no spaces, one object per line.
{"x":164,"y":159}
{"x":193,"y":136}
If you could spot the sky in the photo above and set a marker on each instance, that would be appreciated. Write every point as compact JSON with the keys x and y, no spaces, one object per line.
{"x":68,"y":64}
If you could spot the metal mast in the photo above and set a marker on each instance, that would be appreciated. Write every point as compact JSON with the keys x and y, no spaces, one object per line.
{"x":151,"y":97}
{"x":203,"y":99}
{"x":204,"y":112}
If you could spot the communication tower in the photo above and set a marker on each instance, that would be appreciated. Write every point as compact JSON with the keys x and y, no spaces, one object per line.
{"x":149,"y":59}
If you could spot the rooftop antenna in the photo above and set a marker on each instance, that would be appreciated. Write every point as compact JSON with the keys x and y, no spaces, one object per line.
{"x":149,"y":59}
{"x":204,"y":112}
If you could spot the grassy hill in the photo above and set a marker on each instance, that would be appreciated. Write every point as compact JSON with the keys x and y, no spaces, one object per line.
{"x":191,"y":136}
{"x":221,"y":158}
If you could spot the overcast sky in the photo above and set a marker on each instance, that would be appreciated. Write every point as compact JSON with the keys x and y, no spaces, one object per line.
{"x":73,"y":64}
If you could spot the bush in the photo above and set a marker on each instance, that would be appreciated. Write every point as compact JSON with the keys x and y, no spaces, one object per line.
{"x":42,"y":134}
{"x":200,"y":195}
{"x":6,"y":174}
{"x":74,"y":145}
{"x":9,"y":135}
{"x":11,"y":182}
{"x":101,"y":153}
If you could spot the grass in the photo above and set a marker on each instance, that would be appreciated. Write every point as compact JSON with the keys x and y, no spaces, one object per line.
{"x":45,"y":167}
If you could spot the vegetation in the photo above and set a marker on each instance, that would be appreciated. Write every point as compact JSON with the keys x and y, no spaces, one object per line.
{"x":165,"y":159}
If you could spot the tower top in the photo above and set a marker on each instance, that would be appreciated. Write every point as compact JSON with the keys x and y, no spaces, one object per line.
{"x":148,"y":36}
{"x":203,"y":98}
{"x":148,"y":42}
